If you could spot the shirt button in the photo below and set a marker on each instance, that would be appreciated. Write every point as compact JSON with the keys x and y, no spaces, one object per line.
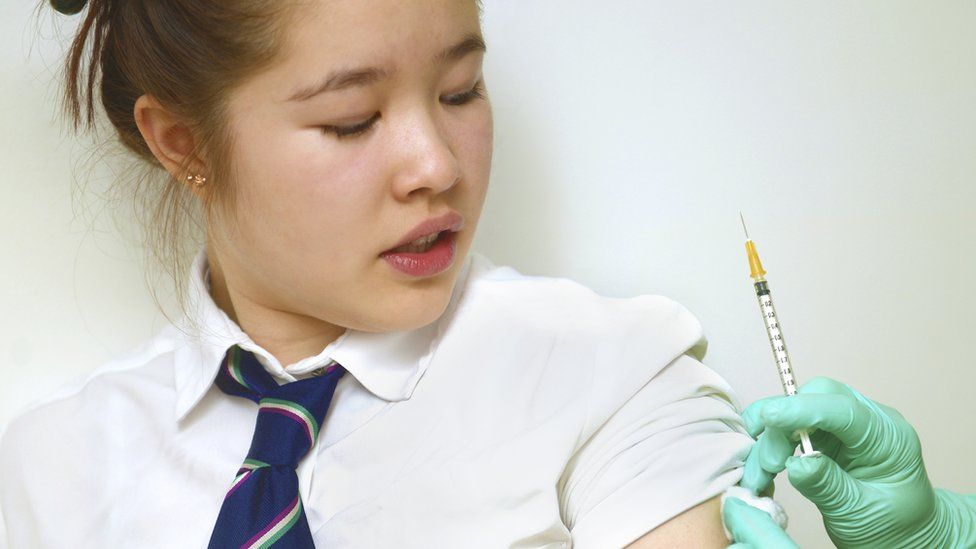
{"x":318,"y":371}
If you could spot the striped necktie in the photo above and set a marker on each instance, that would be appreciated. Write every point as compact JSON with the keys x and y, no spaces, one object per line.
{"x":262,"y":506}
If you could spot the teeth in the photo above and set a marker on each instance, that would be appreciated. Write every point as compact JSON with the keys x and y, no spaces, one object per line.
{"x":420,"y":245}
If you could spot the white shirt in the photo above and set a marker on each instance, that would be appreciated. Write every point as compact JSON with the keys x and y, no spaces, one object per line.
{"x":533,"y":413}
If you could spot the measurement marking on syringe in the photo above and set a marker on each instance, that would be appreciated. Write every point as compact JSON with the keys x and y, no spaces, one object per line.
{"x":776,"y":341}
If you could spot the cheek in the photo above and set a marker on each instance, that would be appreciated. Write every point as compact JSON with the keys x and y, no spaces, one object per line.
{"x":303,"y":193}
{"x":476,"y":147}
{"x":478,"y":140}
{"x":310,"y":171}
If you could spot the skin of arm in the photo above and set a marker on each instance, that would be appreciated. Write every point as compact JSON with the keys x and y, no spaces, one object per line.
{"x":700,"y":526}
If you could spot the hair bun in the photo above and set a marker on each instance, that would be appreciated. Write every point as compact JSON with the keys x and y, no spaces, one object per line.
{"x":68,"y":7}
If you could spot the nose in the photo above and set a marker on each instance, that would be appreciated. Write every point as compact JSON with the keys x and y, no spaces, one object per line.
{"x":429,"y":159}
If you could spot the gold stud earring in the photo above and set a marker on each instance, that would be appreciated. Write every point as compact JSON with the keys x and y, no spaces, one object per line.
{"x":198,"y":180}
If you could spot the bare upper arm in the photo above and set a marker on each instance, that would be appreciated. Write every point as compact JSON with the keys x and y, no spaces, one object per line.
{"x":700,"y":526}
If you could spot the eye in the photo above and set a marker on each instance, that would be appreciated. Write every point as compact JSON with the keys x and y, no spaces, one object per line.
{"x":342,"y":132}
{"x":478,"y":92}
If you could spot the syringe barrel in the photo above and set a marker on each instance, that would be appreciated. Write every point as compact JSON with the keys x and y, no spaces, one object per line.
{"x":775,"y":334}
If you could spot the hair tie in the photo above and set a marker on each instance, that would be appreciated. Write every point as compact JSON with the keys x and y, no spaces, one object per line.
{"x":68,"y":7}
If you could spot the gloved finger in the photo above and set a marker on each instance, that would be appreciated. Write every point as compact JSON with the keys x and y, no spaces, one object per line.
{"x":820,"y":480}
{"x":766,"y":458}
{"x":825,"y":443}
{"x":754,"y":477}
{"x":827,"y":386}
{"x":844,"y":416}
{"x":753,"y":527}
{"x":751,"y":415}
{"x":774,"y":446}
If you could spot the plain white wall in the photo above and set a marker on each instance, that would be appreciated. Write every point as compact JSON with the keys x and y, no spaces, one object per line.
{"x":628,"y":137}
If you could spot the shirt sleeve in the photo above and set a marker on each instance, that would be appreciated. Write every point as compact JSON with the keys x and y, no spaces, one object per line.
{"x":675,"y":443}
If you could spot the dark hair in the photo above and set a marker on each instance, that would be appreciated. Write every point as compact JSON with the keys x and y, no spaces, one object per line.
{"x":189,"y":55}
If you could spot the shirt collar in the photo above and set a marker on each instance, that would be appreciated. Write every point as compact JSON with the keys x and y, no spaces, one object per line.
{"x":388,"y":364}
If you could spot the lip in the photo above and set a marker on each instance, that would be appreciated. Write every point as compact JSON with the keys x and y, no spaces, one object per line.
{"x":434,"y":261}
{"x":451,"y":221}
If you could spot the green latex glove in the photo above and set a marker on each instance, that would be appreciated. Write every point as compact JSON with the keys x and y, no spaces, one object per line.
{"x":752,"y":528}
{"x":870,"y":483}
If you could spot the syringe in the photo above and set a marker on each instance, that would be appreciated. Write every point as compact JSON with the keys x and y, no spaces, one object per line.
{"x":773,"y":330}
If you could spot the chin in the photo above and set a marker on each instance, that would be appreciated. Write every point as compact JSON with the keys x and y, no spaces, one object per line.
{"x":418,"y":310}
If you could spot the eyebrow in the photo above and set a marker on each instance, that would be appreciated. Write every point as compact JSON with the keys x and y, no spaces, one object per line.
{"x":358,"y":77}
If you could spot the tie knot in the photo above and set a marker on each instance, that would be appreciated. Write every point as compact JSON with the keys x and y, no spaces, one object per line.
{"x":289,"y":415}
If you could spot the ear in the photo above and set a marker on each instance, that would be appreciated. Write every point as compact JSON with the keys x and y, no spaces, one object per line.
{"x":169,"y":139}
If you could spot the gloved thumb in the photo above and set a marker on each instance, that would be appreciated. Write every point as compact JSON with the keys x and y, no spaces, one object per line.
{"x":822,"y":481}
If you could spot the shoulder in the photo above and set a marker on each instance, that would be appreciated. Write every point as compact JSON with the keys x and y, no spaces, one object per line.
{"x":612,"y":346}
{"x":566,"y":306}
{"x":80,"y":407}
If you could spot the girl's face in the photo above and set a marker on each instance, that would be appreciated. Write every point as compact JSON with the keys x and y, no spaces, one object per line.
{"x":316,"y":210}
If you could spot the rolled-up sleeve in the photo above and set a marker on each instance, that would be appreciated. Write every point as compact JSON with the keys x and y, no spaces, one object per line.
{"x":675,"y":443}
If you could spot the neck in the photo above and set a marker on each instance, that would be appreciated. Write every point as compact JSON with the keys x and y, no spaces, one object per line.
{"x":288,"y":336}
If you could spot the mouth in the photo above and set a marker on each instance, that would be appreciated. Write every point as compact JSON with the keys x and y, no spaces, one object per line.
{"x":429,"y":259}
{"x":429,"y":231}
{"x":419,"y":249}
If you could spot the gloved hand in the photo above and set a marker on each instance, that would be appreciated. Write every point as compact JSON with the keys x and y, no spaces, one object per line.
{"x":752,"y":528}
{"x":870,"y":483}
